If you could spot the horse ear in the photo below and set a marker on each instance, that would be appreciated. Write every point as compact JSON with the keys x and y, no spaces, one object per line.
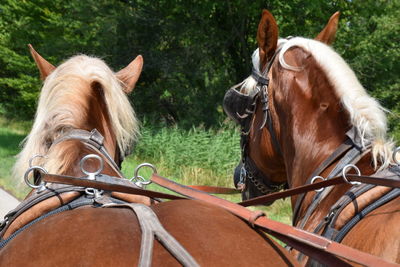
{"x":43,"y":65}
{"x":267,"y":38}
{"x":327,"y":35}
{"x":130,"y":74}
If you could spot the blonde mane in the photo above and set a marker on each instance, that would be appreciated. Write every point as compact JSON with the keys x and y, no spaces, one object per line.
{"x":63,"y":103}
{"x":366,"y":114}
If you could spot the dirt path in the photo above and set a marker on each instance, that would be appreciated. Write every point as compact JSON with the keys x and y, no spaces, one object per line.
{"x":7,"y":203}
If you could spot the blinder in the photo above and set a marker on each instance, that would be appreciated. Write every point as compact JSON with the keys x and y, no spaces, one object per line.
{"x":239,"y":106}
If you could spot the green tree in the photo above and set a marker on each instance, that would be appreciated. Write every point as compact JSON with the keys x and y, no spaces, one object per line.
{"x":56,"y":28}
{"x":193,"y":50}
{"x":369,"y":39}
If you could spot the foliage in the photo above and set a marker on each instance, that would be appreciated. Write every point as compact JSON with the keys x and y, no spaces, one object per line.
{"x":193,"y":50}
{"x":369,"y":38}
{"x":58,"y":29}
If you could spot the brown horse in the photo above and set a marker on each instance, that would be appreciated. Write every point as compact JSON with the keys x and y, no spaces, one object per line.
{"x":84,"y":94}
{"x":301,"y":103}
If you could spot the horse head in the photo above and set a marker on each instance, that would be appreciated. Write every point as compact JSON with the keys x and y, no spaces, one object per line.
{"x":81,"y":98}
{"x":303,"y":100}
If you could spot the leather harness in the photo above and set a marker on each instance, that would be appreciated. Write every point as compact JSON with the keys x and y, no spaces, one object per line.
{"x":95,"y":141}
{"x":315,"y":246}
{"x":241,"y":108}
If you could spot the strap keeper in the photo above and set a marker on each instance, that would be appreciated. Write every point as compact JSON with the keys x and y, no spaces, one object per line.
{"x":260,"y":80}
{"x":96,"y":137}
{"x":254,"y":216}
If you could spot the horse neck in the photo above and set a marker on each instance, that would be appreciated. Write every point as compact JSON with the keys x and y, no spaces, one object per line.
{"x":310,"y":119}
{"x":310,"y":115}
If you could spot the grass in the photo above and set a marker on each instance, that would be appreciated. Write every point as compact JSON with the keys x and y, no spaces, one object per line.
{"x":11,"y":135}
{"x":196,"y":156}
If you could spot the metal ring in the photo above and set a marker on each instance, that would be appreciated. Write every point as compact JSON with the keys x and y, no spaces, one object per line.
{"x":93,"y":192}
{"x":315,"y":178}
{"x":91,"y":156}
{"x":90,"y":191}
{"x":142,"y":180}
{"x":36,"y":156}
{"x":344,"y":171}
{"x":394,"y":155}
{"x":26,"y":177}
{"x":136,"y":177}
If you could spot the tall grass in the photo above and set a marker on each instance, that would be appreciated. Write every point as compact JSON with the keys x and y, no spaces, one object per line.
{"x":207,"y":156}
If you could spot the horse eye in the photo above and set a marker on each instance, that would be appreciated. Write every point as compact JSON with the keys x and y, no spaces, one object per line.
{"x":324,"y":106}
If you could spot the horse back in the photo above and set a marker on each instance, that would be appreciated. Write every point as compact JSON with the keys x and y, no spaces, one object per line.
{"x":90,"y":236}
{"x":379,"y":231}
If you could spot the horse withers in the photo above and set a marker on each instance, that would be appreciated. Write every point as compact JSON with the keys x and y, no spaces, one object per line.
{"x":84,"y":110}
{"x":309,"y":118}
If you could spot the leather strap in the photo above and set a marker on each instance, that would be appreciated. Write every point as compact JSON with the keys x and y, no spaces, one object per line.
{"x":34,"y":199}
{"x":107,"y":183}
{"x":215,"y":189}
{"x":151,"y":227}
{"x":334,"y":181}
{"x":317,"y":247}
{"x":376,"y":204}
{"x":351,"y":157}
{"x":343,"y":148}
{"x":330,"y":220}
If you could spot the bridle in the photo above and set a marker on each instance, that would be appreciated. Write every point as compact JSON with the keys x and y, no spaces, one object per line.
{"x":241,"y":108}
{"x":95,"y":141}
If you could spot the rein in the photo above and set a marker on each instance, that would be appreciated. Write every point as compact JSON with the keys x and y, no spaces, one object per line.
{"x":317,"y":247}
{"x":395,"y":183}
{"x":320,"y":248}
